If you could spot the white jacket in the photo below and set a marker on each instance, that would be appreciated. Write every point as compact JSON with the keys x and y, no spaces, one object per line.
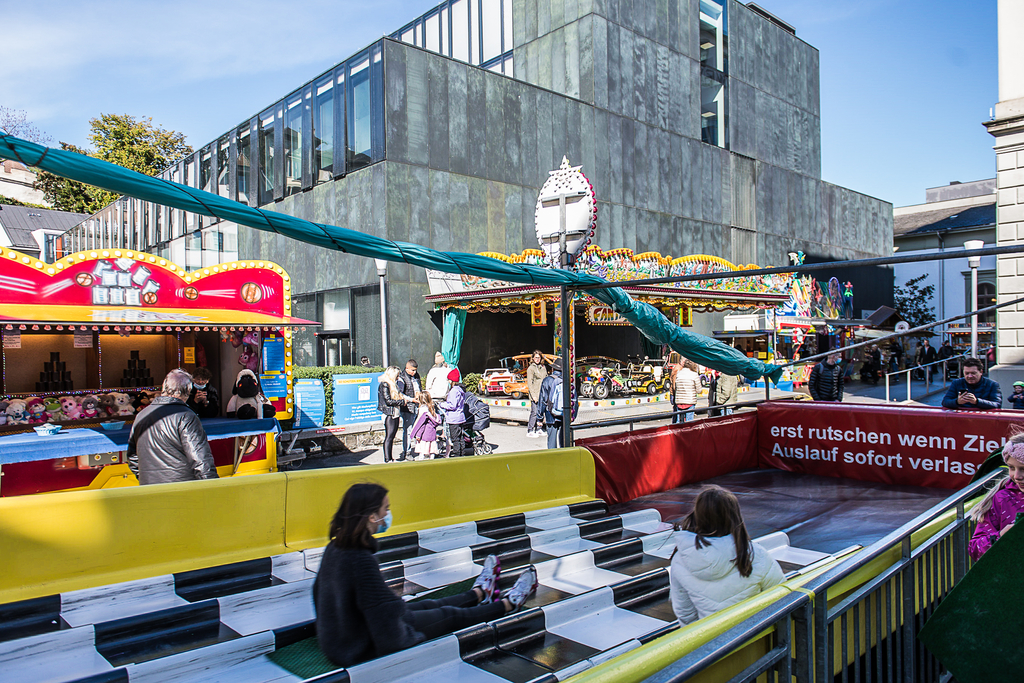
{"x":687,"y":387}
{"x":706,"y":580}
{"x":437,"y":382}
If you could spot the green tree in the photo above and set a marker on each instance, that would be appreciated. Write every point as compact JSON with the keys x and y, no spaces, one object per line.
{"x":136,"y":144}
{"x":913,"y":302}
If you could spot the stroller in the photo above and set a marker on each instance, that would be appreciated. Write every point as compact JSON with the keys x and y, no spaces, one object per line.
{"x":478,"y":418}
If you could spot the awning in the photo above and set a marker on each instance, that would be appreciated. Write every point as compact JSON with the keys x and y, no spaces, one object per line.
{"x":741,"y":334}
{"x":871,"y":334}
{"x":29,"y":314}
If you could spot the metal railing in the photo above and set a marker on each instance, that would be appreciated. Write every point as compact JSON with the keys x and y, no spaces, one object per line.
{"x":669,"y":414}
{"x":927,"y":374}
{"x":869,"y":633}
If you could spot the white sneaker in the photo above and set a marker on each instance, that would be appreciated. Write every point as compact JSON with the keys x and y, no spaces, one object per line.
{"x":487,"y":582}
{"x":524,"y":587}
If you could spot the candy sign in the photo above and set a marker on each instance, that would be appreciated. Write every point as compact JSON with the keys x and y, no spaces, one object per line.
{"x":604,"y":315}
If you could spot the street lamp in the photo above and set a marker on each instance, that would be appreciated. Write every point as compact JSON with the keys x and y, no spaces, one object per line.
{"x":382,"y":271}
{"x":974,"y":262}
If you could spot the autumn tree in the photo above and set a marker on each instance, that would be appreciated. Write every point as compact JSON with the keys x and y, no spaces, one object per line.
{"x":15,"y":122}
{"x":136,"y":144}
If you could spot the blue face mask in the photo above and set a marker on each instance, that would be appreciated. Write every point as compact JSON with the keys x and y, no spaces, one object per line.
{"x":199,"y":387}
{"x":384,"y":524}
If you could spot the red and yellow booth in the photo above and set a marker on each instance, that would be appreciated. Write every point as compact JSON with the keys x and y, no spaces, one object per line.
{"x":88,"y":339}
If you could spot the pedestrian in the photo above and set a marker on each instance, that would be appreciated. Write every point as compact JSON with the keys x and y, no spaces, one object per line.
{"x":425,"y":429}
{"x":167,"y":442}
{"x":535,"y":375}
{"x":551,"y":400}
{"x":358,"y":617}
{"x":1016,"y":399}
{"x":409,"y":385}
{"x":727,"y":389}
{"x":453,"y":406}
{"x":715,"y":564}
{"x":685,"y":388}
{"x":998,"y":510}
{"x":826,"y":380}
{"x":204,"y":399}
{"x":973,"y":391}
{"x":364,"y":361}
{"x":925,"y":356}
{"x":437,"y":378}
{"x":896,"y":352}
{"x":390,"y":403}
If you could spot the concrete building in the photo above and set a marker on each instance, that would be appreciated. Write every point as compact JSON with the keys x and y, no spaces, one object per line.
{"x":951,"y":215}
{"x":1008,"y":129}
{"x":697,"y":121}
{"x":17,"y":182}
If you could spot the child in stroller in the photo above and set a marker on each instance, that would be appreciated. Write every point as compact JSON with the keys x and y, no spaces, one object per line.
{"x":478,"y":418}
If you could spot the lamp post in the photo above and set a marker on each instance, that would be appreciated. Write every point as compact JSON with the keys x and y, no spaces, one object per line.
{"x":974,"y":262}
{"x":382,"y":271}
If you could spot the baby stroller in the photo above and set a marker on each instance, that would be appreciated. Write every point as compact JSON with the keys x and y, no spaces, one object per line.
{"x":478,"y":418}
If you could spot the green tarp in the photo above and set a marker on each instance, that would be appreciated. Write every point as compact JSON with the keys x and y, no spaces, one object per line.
{"x":451,"y":337}
{"x":649,"y":320}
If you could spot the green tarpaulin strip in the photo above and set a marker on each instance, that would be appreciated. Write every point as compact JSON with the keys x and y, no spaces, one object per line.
{"x":649,"y":320}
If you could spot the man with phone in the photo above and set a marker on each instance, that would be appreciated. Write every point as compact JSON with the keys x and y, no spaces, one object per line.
{"x":204,"y":400}
{"x":973,"y":391}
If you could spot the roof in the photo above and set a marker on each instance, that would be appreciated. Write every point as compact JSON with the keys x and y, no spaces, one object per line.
{"x":883,"y":315}
{"x":941,"y":220}
{"x":19,"y":222}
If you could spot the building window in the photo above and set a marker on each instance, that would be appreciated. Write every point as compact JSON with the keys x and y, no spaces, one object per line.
{"x":359,"y":149}
{"x":293,"y":115}
{"x":267,"y":126}
{"x":224,"y":167}
{"x":242,"y":164}
{"x":986,"y":295}
{"x":714,"y":70}
{"x":323,"y":131}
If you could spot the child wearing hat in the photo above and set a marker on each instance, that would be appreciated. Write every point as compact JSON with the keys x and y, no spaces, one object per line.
{"x":454,"y":414}
{"x":998,"y":510}
{"x":1016,"y":399}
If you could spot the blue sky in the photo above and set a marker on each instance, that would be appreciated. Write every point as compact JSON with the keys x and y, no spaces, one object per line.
{"x":904,"y":85}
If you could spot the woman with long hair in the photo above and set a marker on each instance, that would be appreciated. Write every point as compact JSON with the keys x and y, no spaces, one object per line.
{"x":358,"y":617}
{"x":390,"y":402}
{"x":715,"y":564}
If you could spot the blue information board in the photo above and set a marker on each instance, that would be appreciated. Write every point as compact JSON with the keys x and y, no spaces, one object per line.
{"x":310,"y":404}
{"x":273,"y":355}
{"x":355,"y":399}
{"x":274,"y":385}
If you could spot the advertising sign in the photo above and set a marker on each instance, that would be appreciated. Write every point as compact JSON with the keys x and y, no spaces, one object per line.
{"x":604,"y":315}
{"x":913,"y":446}
{"x":355,"y":399}
{"x":310,"y":403}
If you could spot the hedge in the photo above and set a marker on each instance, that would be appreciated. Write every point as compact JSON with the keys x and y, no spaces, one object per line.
{"x":324,"y":374}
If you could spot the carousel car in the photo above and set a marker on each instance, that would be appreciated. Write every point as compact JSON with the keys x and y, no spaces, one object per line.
{"x":600,"y":377}
{"x":493,"y":380}
{"x":648,"y":377}
{"x":517,"y":387}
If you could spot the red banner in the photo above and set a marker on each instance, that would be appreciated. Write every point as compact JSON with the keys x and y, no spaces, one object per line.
{"x":633,"y":464}
{"x":913,"y":446}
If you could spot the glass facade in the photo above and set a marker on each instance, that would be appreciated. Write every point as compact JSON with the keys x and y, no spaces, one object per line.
{"x":714,"y":72}
{"x":475,"y":31}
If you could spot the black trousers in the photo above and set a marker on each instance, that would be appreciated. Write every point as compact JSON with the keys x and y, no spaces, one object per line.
{"x":457,"y":436}
{"x":390,"y":430}
{"x":435,"y":618}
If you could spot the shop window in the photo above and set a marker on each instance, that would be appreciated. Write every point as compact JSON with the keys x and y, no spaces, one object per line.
{"x":323,"y":131}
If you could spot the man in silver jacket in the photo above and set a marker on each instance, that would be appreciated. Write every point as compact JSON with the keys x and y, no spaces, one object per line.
{"x":168,"y":442}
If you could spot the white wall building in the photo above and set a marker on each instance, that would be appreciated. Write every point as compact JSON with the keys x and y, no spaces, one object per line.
{"x":18,"y":182}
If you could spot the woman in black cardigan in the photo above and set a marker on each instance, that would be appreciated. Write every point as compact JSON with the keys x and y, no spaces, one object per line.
{"x":358,"y":617}
{"x":390,"y":402}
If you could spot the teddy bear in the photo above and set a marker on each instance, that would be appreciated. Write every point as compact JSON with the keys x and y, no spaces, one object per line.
{"x":142,"y":399}
{"x":52,"y":404}
{"x":108,"y":405}
{"x":71,"y":408}
{"x":3,"y":413}
{"x":247,"y":399}
{"x":17,"y":412}
{"x":36,"y":410}
{"x":122,"y":404}
{"x":91,"y":407}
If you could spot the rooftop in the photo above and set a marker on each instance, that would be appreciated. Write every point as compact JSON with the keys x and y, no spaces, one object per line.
{"x":20,"y":221}
{"x":945,"y":219}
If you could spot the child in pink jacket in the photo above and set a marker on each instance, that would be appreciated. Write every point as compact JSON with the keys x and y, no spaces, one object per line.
{"x":997,"y":511}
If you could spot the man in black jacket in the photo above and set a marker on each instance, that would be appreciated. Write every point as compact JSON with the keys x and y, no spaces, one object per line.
{"x":409,"y":384}
{"x":974,"y":391}
{"x":204,"y":400}
{"x":826,"y":380}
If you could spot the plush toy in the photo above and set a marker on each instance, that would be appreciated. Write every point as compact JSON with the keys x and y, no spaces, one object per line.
{"x":247,"y":399}
{"x":3,"y":413}
{"x":52,"y":404}
{"x":107,"y":406}
{"x":91,"y":407}
{"x":71,"y":408}
{"x":36,"y":410}
{"x":249,"y":358}
{"x":17,"y":412}
{"x":142,"y":399}
{"x":122,"y":404}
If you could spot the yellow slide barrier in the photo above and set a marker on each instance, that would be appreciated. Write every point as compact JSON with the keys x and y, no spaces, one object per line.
{"x":56,"y":542}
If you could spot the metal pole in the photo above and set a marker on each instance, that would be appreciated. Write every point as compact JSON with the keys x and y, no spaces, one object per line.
{"x":974,"y":262}
{"x":382,"y":269}
{"x":567,"y":370}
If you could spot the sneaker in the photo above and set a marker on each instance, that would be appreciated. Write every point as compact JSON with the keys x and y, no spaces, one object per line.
{"x":524,"y":587}
{"x":488,"y":579}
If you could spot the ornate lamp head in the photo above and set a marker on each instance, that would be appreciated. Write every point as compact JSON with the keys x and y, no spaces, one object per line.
{"x":566,"y":187}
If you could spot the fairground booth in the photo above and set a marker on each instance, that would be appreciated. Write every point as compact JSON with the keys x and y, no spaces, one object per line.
{"x":88,"y":340}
